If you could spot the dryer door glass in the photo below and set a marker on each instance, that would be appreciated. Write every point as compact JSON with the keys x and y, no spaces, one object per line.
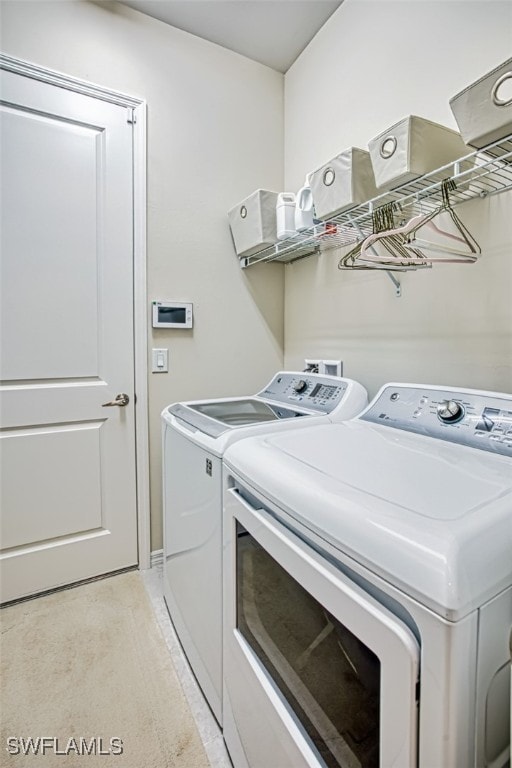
{"x":329,"y":678}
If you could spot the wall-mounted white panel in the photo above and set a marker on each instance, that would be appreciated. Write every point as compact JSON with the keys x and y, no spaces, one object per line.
{"x":49,"y":503}
{"x":49,"y":295}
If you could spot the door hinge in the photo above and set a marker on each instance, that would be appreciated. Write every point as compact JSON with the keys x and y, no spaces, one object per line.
{"x":130,"y":115}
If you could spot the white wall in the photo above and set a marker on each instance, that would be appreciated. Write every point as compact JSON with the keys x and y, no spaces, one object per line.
{"x":373,"y":63}
{"x":207,"y":149}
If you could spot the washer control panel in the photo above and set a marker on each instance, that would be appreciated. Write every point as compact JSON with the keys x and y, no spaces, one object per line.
{"x":312,"y":391}
{"x":477,"y":419}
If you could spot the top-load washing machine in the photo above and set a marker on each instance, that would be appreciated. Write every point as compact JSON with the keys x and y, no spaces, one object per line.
{"x":368,"y":587}
{"x":195,"y":436}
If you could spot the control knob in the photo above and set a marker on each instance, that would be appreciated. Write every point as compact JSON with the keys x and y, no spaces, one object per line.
{"x":450,"y":411}
{"x":300,"y":385}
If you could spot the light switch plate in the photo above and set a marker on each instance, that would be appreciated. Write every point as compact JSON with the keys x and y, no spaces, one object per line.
{"x":159,"y":360}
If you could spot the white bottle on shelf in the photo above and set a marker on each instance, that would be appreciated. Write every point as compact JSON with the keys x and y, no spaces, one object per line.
{"x":304,"y":209}
{"x":285,"y":215}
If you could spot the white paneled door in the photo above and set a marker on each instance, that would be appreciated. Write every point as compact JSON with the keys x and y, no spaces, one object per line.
{"x":68,"y":482}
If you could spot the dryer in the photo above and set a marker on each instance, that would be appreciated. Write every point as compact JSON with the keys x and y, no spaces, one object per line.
{"x":195,"y":436}
{"x":368,"y":587}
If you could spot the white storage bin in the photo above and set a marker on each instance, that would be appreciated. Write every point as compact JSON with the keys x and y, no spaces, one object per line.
{"x":411,"y":148}
{"x":483,"y":110}
{"x":342,"y":183}
{"x":253,"y":222}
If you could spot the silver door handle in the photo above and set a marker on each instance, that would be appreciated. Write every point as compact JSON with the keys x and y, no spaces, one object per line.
{"x":121,"y":399}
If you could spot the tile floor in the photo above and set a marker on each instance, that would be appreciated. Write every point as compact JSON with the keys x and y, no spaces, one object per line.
{"x":209,"y":731}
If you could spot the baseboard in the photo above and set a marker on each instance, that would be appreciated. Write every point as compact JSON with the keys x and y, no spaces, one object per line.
{"x":157,"y":558}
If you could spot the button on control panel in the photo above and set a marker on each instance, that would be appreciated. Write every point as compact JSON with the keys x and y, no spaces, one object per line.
{"x":471,"y":418}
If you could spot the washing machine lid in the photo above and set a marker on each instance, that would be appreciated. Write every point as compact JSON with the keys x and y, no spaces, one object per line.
{"x":431,"y":517}
{"x":215,"y":417}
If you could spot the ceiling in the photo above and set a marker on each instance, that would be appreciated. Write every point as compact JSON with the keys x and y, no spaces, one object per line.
{"x":273,"y":32}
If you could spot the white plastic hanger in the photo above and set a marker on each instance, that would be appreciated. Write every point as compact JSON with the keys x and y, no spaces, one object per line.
{"x":392,"y":255}
{"x":407,"y":234}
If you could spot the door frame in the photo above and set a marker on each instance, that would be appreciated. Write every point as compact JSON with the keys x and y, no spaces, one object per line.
{"x":136,"y":114}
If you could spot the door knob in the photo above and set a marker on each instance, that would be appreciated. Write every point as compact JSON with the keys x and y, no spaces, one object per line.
{"x":121,"y":399}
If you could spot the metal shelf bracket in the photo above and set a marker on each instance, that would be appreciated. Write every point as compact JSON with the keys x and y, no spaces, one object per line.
{"x":396,"y":283}
{"x":394,"y":280}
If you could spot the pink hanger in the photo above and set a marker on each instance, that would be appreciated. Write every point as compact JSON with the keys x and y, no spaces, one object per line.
{"x":407,"y":236}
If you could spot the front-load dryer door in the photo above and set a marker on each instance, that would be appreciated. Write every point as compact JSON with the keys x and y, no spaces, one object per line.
{"x":316,"y":672}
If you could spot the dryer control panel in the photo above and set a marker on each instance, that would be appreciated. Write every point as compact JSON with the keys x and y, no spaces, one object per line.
{"x":468,"y":417}
{"x":312,"y":391}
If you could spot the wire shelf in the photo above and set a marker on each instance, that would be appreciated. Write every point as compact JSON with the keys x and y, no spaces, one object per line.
{"x":481,"y":174}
